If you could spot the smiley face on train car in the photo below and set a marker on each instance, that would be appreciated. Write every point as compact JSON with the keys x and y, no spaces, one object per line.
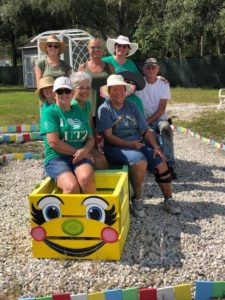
{"x":71,"y":227}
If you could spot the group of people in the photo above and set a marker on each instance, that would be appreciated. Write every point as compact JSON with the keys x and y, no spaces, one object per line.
{"x":112,"y":98}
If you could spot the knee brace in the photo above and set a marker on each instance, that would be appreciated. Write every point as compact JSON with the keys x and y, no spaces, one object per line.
{"x":159,"y":179}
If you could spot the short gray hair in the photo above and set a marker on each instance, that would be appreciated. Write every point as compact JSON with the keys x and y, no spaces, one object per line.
{"x":78,"y":77}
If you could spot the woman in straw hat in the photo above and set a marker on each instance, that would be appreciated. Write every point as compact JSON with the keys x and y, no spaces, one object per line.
{"x":121,"y":48}
{"x":128,"y":140}
{"x":52,"y":65}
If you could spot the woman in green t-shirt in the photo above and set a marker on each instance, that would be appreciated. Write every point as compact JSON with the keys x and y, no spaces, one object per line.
{"x":68,"y":142}
{"x":81,"y":82}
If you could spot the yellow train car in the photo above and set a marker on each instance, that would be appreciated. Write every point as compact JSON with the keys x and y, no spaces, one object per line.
{"x":81,"y":226}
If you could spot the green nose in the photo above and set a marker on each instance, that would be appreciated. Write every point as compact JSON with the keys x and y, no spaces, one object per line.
{"x":72,"y":227}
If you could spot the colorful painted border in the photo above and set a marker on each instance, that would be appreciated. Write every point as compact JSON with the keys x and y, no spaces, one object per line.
{"x":19,"y":128}
{"x":20,"y":137}
{"x":22,"y":156}
{"x":204,"y":290}
{"x":198,"y":136}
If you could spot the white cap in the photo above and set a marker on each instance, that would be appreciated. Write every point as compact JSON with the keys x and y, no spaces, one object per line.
{"x":62,"y":82}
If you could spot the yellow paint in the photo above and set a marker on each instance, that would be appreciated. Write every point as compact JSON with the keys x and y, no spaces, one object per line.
{"x":74,"y":232}
{"x":96,"y":296}
{"x":183,"y":292}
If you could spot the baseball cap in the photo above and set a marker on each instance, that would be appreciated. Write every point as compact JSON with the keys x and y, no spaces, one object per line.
{"x":62,"y":82}
{"x":151,"y":61}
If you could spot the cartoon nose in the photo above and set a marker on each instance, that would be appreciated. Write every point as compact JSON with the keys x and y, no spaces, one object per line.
{"x":72,"y":227}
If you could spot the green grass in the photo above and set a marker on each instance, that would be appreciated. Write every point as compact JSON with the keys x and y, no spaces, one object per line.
{"x":18,"y":106}
{"x":209,"y":124}
{"x":197,"y":95}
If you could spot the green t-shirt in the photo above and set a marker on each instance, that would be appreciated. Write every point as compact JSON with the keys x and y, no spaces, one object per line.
{"x":129,"y":65}
{"x":136,"y":100}
{"x":72,"y":126}
{"x":54,"y":71}
{"x":86,"y":109}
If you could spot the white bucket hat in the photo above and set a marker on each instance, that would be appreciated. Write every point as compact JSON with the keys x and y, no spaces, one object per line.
{"x":122,"y":40}
{"x":115,"y":80}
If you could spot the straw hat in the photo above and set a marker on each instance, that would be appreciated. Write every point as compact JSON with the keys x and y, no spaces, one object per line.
{"x":43,"y":83}
{"x":122,"y":40}
{"x":112,"y":81}
{"x":51,"y":39}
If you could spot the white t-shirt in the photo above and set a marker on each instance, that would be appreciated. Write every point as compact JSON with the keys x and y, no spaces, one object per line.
{"x":151,"y":96}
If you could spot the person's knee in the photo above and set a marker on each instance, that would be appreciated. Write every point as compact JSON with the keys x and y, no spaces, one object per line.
{"x":70,"y":187}
{"x":162,"y":175}
{"x":86,"y":179}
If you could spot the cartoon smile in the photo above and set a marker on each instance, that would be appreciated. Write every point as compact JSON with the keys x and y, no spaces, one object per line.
{"x":72,"y":227}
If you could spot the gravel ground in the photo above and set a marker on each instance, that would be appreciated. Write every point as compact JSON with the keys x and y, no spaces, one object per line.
{"x":161,"y":249}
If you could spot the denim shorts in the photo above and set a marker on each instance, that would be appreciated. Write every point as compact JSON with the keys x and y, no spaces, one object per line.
{"x":59,"y":165}
{"x":118,"y":155}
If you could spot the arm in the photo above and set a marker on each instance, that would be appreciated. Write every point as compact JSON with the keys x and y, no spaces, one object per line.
{"x":81,"y":67}
{"x":150,"y":138}
{"x":59,"y":145}
{"x":160,"y":111}
{"x":38,"y":75}
{"x":111,"y":68}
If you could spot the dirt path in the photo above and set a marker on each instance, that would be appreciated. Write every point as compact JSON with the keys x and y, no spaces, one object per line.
{"x":186,"y":111}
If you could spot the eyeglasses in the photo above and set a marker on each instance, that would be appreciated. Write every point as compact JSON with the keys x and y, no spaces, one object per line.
{"x":122,"y":46}
{"x":53,"y":46}
{"x":82,"y":88}
{"x":96,"y":48}
{"x":63,"y":91}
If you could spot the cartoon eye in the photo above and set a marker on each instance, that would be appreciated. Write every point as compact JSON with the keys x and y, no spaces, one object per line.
{"x":95,"y":212}
{"x":51,"y":211}
{"x":50,"y":207}
{"x":95,"y":208}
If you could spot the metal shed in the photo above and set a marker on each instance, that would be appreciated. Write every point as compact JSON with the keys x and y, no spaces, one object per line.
{"x":75,"y":53}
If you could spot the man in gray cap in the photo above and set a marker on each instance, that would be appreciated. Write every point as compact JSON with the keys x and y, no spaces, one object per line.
{"x":154,"y":97}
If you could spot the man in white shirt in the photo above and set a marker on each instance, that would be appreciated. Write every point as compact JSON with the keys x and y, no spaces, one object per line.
{"x":154,"y":97}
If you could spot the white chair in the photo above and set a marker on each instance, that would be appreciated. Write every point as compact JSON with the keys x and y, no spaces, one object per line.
{"x":221,"y":98}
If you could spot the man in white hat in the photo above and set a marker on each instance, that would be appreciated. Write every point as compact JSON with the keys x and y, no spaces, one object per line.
{"x":154,"y":97}
{"x":121,"y":48}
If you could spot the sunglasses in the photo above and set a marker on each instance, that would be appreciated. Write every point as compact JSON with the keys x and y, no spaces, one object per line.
{"x":96,"y":48}
{"x":63,"y":91}
{"x":53,"y":46}
{"x":122,"y":46}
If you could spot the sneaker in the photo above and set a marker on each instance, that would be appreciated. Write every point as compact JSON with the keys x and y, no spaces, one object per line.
{"x":173,"y":173}
{"x":171,"y":206}
{"x":137,"y":209}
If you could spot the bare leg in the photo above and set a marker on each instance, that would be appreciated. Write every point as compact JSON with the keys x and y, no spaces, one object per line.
{"x":68,"y":183}
{"x":86,"y":178}
{"x":137,"y":173}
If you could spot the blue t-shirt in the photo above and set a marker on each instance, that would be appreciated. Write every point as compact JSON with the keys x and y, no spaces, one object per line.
{"x":127,"y":123}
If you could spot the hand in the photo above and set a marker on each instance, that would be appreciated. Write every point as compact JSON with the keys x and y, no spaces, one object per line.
{"x":137,"y":145}
{"x":163,"y":79}
{"x":158,"y":151}
{"x":80,"y":154}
